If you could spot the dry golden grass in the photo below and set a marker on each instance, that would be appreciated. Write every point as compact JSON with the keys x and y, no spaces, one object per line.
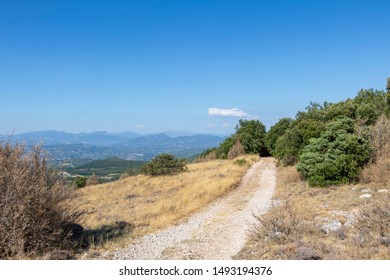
{"x":150,"y":204}
{"x":292,"y":228}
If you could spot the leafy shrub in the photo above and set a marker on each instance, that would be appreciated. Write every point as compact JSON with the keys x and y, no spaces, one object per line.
{"x":164,"y":164}
{"x":336,"y":156}
{"x":33,"y":216}
{"x":275,"y":132}
{"x":251,"y":134}
{"x":225,"y":146}
{"x":289,"y":146}
{"x":80,"y":182}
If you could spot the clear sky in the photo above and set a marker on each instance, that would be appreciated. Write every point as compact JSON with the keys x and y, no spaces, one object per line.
{"x":150,"y":66}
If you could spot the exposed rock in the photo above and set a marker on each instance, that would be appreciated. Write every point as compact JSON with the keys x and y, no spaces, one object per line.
{"x":365,"y":190}
{"x":367,"y":195}
{"x":333,"y":226}
{"x":383,"y":191}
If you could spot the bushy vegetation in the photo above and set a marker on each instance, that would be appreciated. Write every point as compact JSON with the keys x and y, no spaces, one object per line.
{"x":164,"y":164}
{"x":337,"y":156}
{"x":80,"y":182}
{"x":331,"y":142}
{"x":249,"y":138}
{"x":33,"y":216}
{"x":275,"y":132}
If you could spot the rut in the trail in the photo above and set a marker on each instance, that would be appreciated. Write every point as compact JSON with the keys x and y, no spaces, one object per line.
{"x":219,"y":231}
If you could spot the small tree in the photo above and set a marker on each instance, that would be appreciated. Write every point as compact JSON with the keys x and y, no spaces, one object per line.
{"x":164,"y":164}
{"x":337,"y":156}
{"x":80,"y":182}
{"x":275,"y":132}
{"x":251,"y":134}
{"x":225,"y":146}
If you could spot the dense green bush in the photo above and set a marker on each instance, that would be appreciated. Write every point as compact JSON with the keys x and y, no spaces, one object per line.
{"x":225,"y":146}
{"x":164,"y":164}
{"x":336,"y":156}
{"x":275,"y":132}
{"x":251,"y":134}
{"x":80,"y":182}
{"x":289,"y":146}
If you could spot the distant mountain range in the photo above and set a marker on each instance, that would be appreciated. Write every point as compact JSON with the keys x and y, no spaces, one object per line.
{"x":127,"y":145}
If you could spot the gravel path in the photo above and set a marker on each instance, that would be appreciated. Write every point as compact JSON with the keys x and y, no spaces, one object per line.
{"x":219,"y":231}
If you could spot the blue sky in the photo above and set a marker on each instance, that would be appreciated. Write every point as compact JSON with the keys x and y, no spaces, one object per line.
{"x":150,"y":66}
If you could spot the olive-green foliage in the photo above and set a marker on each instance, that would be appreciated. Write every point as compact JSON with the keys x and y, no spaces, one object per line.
{"x":276,"y":131}
{"x":225,"y":146}
{"x":251,"y":134}
{"x":289,"y":146}
{"x":80,"y":182}
{"x":388,"y":85}
{"x":336,"y":156}
{"x":164,"y":164}
{"x":334,"y":111}
{"x":370,"y":105}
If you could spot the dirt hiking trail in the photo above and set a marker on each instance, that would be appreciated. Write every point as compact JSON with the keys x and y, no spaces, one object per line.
{"x":216,"y":233}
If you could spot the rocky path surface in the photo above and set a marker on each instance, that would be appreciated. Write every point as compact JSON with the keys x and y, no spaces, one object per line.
{"x":219,"y":231}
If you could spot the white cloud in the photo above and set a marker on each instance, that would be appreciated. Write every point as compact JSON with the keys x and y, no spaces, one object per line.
{"x":139,"y":126}
{"x":226,"y":125}
{"x":234,"y":112}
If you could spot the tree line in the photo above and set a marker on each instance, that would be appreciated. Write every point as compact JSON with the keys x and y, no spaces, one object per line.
{"x":330,"y":143}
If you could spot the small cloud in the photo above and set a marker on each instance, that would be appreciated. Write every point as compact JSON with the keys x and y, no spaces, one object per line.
{"x":234,"y":112}
{"x":139,"y":126}
{"x":226,"y":125}
{"x":210,"y":125}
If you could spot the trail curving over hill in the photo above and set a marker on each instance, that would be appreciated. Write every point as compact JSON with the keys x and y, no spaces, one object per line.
{"x":219,"y":231}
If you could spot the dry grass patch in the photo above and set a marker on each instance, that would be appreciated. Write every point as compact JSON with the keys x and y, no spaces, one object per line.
{"x":322,"y":223}
{"x":150,"y":204}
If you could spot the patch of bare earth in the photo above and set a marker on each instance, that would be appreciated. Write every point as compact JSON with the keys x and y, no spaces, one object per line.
{"x":218,"y":232}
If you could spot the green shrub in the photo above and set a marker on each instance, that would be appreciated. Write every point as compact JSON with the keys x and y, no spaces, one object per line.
{"x":225,"y":146}
{"x":80,"y":182}
{"x":275,"y":132}
{"x":337,"y":156}
{"x":289,"y":146}
{"x":251,"y":134}
{"x":164,"y":164}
